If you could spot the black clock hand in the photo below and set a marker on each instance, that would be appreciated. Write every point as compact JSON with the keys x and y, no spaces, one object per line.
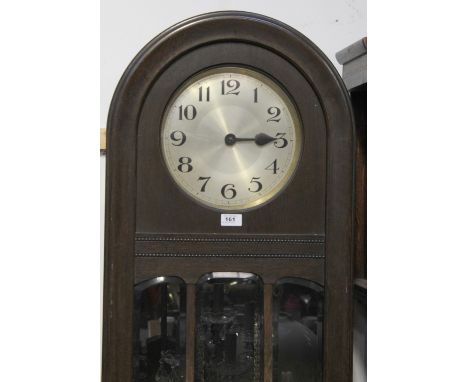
{"x":260,"y":139}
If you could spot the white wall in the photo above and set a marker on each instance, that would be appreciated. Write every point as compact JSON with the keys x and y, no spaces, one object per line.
{"x":127,"y":25}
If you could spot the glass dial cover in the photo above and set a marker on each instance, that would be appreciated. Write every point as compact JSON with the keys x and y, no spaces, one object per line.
{"x":231,"y":138}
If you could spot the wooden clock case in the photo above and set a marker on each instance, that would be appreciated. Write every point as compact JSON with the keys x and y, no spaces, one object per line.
{"x":153,"y":228}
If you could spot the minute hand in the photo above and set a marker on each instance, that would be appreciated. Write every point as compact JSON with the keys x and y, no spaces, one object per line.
{"x":260,"y":139}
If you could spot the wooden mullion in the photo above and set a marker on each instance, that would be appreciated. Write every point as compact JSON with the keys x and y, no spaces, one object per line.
{"x":268,"y":332}
{"x":190,"y":335}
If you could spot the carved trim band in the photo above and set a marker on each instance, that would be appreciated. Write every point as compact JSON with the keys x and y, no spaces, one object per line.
{"x":277,"y":256}
{"x":318,"y":240}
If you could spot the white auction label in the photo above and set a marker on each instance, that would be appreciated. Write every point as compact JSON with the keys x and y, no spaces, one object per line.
{"x":233,"y":220}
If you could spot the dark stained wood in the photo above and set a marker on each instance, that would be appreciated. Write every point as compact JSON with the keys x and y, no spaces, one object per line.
{"x":190,"y":335}
{"x":301,"y":205}
{"x":298,"y":246}
{"x":268,"y":332}
{"x":317,"y":203}
{"x":359,"y":100}
{"x":118,"y":253}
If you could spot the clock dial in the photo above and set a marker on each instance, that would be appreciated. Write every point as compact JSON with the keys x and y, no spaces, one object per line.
{"x":231,"y":138}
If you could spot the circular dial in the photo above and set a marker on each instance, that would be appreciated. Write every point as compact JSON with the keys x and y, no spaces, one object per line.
{"x":231,"y":138}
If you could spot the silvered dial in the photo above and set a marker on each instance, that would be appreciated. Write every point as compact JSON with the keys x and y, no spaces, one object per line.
{"x":231,"y":138}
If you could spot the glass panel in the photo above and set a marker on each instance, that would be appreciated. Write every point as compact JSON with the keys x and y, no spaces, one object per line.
{"x":159,"y":334}
{"x":298,"y":321}
{"x":229,"y":328}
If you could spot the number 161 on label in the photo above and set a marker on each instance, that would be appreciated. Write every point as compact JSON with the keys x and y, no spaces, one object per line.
{"x":233,"y":220}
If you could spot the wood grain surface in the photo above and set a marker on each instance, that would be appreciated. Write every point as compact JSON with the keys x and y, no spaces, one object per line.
{"x":142,"y":200}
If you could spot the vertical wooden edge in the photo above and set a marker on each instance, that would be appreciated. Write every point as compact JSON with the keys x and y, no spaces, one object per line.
{"x":338,"y":335}
{"x":190,"y":335}
{"x":105,"y":335}
{"x":268,"y":333}
{"x":359,"y":101}
{"x":339,"y":250}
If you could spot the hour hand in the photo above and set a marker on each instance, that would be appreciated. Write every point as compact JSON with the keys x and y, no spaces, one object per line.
{"x":260,"y":139}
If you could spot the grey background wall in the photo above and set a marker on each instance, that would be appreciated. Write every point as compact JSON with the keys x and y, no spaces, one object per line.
{"x":127,"y":25}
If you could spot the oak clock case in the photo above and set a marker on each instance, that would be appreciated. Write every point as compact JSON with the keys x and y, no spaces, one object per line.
{"x":300,"y":204}
{"x":229,"y":112}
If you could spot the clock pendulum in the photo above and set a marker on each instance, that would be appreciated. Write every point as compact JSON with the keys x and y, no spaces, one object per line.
{"x":229,"y":209}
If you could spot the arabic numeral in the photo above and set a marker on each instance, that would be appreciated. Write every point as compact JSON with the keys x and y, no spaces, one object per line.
{"x":178,"y":137}
{"x":281,"y":142}
{"x":206,"y":179}
{"x":189,"y":112}
{"x":258,"y":185}
{"x":275,"y":113}
{"x":207,"y":94}
{"x":273,"y":167}
{"x":230,"y":87}
{"x":185,"y":165}
{"x":228,"y":191}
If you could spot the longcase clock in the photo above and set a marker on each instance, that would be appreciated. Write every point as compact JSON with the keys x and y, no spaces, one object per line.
{"x":229,"y":209}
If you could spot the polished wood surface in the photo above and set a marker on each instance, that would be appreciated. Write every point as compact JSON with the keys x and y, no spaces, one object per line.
{"x":299,"y":209}
{"x":268,"y":332}
{"x":359,"y":100}
{"x":278,"y":246}
{"x":190,"y":334}
{"x":141,"y":200}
